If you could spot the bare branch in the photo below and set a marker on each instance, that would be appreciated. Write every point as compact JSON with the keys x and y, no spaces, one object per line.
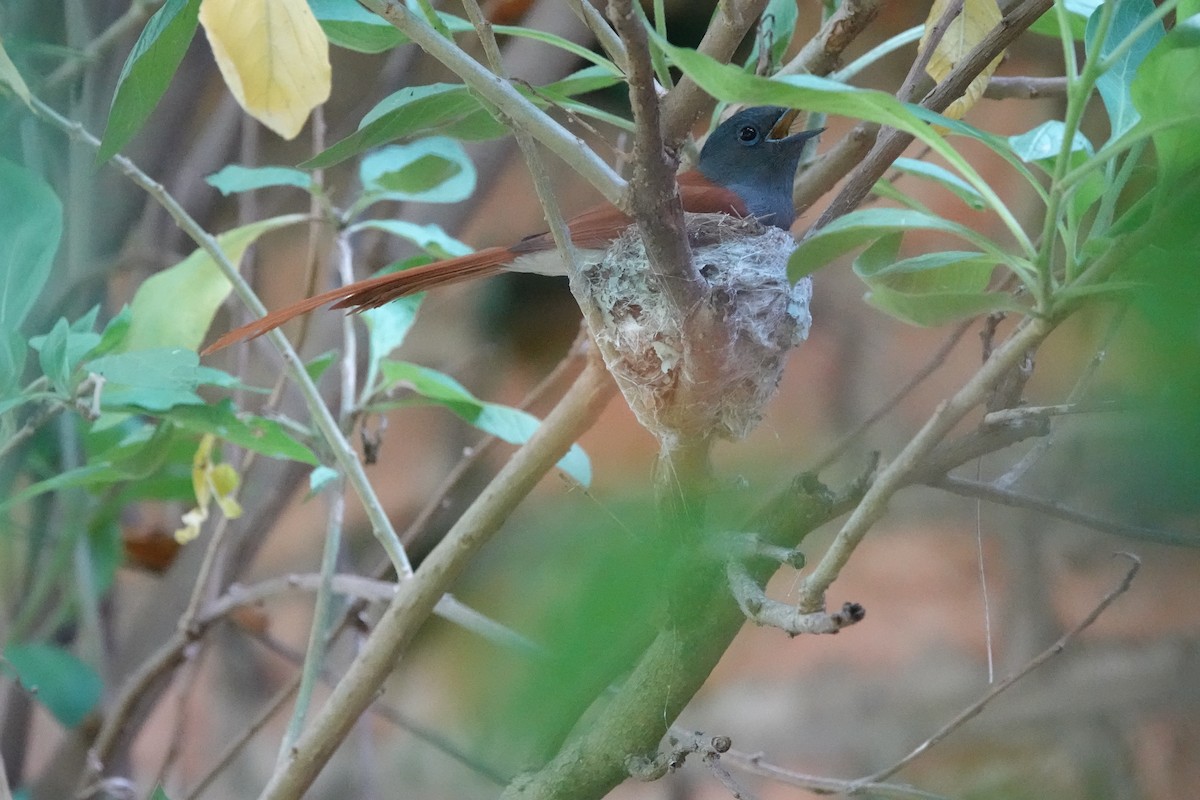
{"x":1053,"y":508}
{"x":1024,"y":88}
{"x":975,"y":708}
{"x":822,"y":54}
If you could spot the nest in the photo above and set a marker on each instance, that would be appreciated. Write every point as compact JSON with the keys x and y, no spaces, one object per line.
{"x":717,"y":383}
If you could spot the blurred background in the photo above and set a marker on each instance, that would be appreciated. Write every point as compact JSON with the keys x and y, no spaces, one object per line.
{"x":1115,"y":716}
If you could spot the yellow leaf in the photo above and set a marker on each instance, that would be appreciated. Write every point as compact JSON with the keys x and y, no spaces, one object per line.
{"x":968,"y":29}
{"x":11,"y":78}
{"x":274,"y":58}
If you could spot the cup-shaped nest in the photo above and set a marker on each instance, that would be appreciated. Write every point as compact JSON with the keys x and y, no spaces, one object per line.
{"x":709,"y":370}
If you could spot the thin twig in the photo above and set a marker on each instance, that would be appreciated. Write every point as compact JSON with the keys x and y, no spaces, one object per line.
{"x":1024,"y":87}
{"x":975,"y":708}
{"x":1052,"y":508}
{"x":821,"y":54}
{"x":755,"y":765}
{"x":928,"y":368}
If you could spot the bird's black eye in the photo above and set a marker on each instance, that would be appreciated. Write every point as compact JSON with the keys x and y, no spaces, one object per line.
{"x":748,"y":134}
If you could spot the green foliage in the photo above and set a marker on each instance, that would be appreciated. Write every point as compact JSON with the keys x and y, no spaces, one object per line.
{"x":66,"y":686}
{"x":447,"y":109}
{"x":30,"y":227}
{"x":431,"y":170}
{"x":148,"y":71}
{"x":236,"y":178}
{"x":509,"y":424}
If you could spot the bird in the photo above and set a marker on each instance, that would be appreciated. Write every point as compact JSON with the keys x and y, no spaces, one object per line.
{"x":746,"y":169}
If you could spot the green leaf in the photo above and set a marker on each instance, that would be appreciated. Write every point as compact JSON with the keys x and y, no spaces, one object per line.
{"x":943,"y":176}
{"x":236,"y":178}
{"x":154,"y":380}
{"x":13,"y":352}
{"x":60,"y":352}
{"x":349,"y":25}
{"x":932,"y":309}
{"x":147,"y":72}
{"x":30,"y":227}
{"x":449,"y":109}
{"x":779,"y":20}
{"x":1078,"y":12}
{"x":510,"y":424}
{"x":867,"y":225}
{"x":258,"y":434}
{"x":930,"y":289}
{"x":430,"y":238}
{"x":159,"y":794}
{"x":1167,"y":93}
{"x":1114,"y":83}
{"x":554,"y":40}
{"x":406,"y":114}
{"x":10,"y":77}
{"x":387,"y":327}
{"x":321,"y":477}
{"x":432,"y":170}
{"x":317,"y":366}
{"x":66,"y":686}
{"x":160,"y":315}
{"x":1042,"y":145}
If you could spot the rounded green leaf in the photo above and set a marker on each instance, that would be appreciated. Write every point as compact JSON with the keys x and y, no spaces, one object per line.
{"x":433,"y":170}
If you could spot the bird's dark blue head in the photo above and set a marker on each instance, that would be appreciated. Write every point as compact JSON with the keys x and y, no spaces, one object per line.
{"x":752,"y":154}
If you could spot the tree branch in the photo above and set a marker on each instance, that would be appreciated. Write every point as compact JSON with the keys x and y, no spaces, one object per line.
{"x":500,"y":93}
{"x":416,"y":598}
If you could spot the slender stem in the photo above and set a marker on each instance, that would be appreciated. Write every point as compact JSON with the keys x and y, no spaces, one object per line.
{"x":894,"y":475}
{"x":975,"y":708}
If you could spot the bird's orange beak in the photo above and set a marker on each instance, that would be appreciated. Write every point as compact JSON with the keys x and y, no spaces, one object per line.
{"x":783,"y":125}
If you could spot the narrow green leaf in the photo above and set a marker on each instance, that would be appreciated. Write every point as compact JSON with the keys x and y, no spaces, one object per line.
{"x":258,"y":434}
{"x":66,"y":686}
{"x":510,"y":424}
{"x":448,"y":109}
{"x":557,"y":41}
{"x":236,"y":178}
{"x":10,"y":77}
{"x":30,"y":227}
{"x":147,"y":72}
{"x":1114,"y":83}
{"x":429,"y":237}
{"x":867,"y":225}
{"x":933,"y":309}
{"x":944,"y":177}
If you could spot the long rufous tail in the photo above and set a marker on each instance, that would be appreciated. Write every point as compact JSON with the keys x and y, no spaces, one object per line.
{"x":374,"y":292}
